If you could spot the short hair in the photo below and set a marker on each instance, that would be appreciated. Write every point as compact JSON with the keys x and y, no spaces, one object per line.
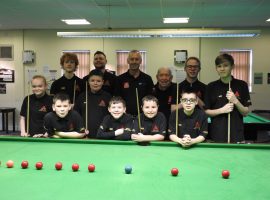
{"x":134,"y":52}
{"x":61,"y":96}
{"x":150,"y":98}
{"x":40,"y":77}
{"x":95,"y":72}
{"x":189,"y":91}
{"x":193,"y":58}
{"x":223,"y":58}
{"x":100,"y":52}
{"x":69,"y":56}
{"x":117,"y":99}
{"x":167,"y":68}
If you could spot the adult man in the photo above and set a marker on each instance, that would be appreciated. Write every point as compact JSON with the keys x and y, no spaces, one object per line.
{"x":132,"y":79}
{"x":100,"y":62}
{"x":192,"y":68}
{"x":164,"y":90}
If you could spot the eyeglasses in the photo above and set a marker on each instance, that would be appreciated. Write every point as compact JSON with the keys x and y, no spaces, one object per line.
{"x":188,"y":100}
{"x":192,"y":66}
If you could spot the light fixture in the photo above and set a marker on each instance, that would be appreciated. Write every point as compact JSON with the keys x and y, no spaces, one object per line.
{"x":178,"y":20}
{"x":268,"y":20}
{"x":161,"y":33}
{"x":75,"y":21}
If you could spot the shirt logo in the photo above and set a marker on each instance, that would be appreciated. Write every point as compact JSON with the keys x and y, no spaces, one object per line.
{"x":155,"y":128}
{"x":237,"y":94}
{"x":220,"y":96}
{"x":63,"y":88}
{"x":197,"y":125}
{"x":43,"y":109}
{"x":102,"y":103}
{"x":126,"y":85}
{"x":169,"y":100}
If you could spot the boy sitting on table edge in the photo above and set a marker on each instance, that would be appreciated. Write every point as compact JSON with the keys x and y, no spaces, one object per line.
{"x":63,"y":122}
{"x":192,"y":122}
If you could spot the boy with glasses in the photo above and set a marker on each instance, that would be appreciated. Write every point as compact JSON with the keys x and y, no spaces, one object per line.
{"x":191,"y":123}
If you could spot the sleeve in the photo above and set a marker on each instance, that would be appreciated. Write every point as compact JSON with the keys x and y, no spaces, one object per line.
{"x":150,"y":86}
{"x":24,"y":107}
{"x":102,"y":132}
{"x":79,"y":122}
{"x":136,"y":124}
{"x":162,"y":124}
{"x":207,"y":101}
{"x":172,"y":122}
{"x":204,"y":126}
{"x":128,"y":130}
{"x":174,"y":94}
{"x":48,"y":125}
{"x":245,"y":99}
{"x":53,"y":89}
{"x":77,"y":105}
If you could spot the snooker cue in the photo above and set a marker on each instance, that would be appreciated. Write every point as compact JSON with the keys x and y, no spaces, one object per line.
{"x":138,"y":110}
{"x":176,"y":111}
{"x":28,"y":108}
{"x":74,"y":92}
{"x":86,"y":105}
{"x":229,"y":120}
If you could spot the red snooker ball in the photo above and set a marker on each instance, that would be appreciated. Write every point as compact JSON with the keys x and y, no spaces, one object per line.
{"x":75,"y":167}
{"x":91,"y":167}
{"x":10,"y":164}
{"x":39,"y":165}
{"x":58,"y":166}
{"x":174,"y":171}
{"x":24,"y":164}
{"x":225,"y":174}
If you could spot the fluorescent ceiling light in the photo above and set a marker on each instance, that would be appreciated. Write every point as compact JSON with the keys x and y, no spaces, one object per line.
{"x":175,"y":20}
{"x":268,"y":20}
{"x":76,"y":21}
{"x":161,"y":33}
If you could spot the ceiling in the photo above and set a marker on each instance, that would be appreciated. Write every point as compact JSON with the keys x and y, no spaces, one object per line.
{"x":133,"y":14}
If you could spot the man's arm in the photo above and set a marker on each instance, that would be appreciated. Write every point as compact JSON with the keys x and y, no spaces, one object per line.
{"x":70,"y":135}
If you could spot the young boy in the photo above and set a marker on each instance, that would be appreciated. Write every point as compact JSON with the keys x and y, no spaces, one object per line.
{"x":226,"y":95}
{"x":118,"y":125}
{"x":40,"y":103}
{"x":192,"y":122}
{"x":63,"y":122}
{"x":96,"y":103}
{"x":69,"y":83}
{"x":153,"y":123}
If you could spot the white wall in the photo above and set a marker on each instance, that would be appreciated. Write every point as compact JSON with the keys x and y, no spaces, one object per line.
{"x":160,"y":52}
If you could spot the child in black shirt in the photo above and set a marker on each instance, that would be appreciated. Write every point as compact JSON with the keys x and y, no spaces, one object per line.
{"x":118,"y":125}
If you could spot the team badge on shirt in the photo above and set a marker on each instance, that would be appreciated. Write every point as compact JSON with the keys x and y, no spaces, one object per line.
{"x":102,"y":103}
{"x":237,"y":94}
{"x":43,"y":109}
{"x":197,"y":125}
{"x":155,"y":128}
{"x":126,"y":85}
{"x":169,"y":100}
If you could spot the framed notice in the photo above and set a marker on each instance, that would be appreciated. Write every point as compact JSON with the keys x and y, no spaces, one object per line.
{"x":6,"y":75}
{"x":258,"y":78}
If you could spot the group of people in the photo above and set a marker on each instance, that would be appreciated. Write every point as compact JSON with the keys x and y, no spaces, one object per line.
{"x":131,"y":107}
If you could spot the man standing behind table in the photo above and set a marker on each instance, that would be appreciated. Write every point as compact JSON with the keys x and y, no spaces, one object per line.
{"x":100,"y":62}
{"x":132,"y":79}
{"x":192,"y":68}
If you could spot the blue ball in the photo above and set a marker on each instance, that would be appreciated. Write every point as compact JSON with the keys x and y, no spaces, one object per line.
{"x":128,"y":169}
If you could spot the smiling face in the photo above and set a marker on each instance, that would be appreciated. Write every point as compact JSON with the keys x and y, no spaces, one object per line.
{"x":39,"y":86}
{"x":164,"y":78}
{"x":150,"y":108}
{"x":99,"y":61}
{"x":134,"y":60}
{"x":61,"y":108}
{"x":95,"y":83}
{"x":117,"y":109}
{"x":192,"y":68}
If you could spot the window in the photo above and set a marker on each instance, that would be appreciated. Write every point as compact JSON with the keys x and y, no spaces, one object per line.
{"x":84,"y":62}
{"x":243,"y":65}
{"x":122,"y":65}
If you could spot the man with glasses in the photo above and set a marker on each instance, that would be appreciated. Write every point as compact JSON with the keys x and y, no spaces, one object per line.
{"x":190,"y":126}
{"x":69,"y":83}
{"x":192,"y":68}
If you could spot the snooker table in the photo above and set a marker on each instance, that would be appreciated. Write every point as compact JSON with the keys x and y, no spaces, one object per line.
{"x":199,"y":177}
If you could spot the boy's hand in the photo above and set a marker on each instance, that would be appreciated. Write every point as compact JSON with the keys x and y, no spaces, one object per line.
{"x":24,"y":134}
{"x":231,"y":97}
{"x":137,"y":137}
{"x":227,"y":108}
{"x":86,"y":132}
{"x":119,"y":131}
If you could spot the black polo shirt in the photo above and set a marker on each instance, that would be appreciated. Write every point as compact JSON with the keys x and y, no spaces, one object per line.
{"x":127,"y":85}
{"x":109,"y":84}
{"x":194,"y":125}
{"x":72,"y":122}
{"x":165,"y":99}
{"x":38,"y":108}
{"x":215,"y":98}
{"x":110,"y":125}
{"x":196,"y":86}
{"x":65,"y":85}
{"x":97,"y":109}
{"x":151,"y":126}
